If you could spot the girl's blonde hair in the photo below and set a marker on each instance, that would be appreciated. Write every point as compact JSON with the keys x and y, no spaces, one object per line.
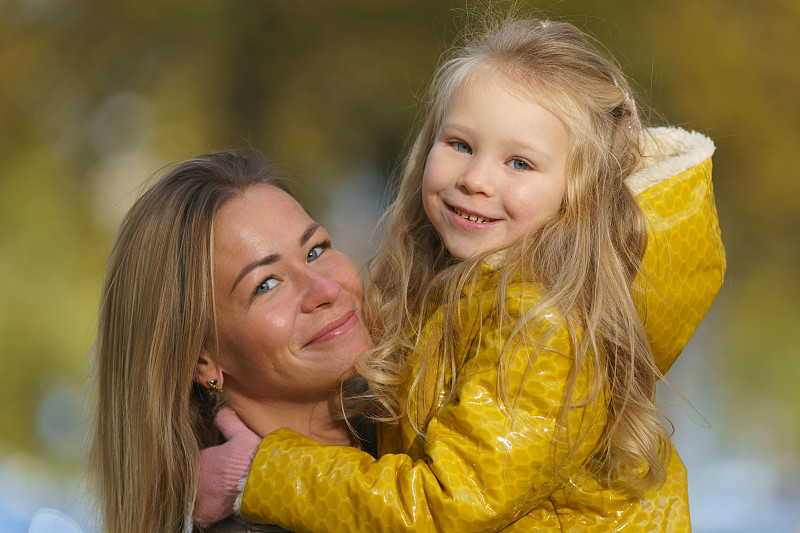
{"x":156,"y":315}
{"x":585,"y":257}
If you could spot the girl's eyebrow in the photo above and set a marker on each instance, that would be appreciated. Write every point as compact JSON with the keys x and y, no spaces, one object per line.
{"x":447,"y":126}
{"x":272,"y":258}
{"x":454,"y":128}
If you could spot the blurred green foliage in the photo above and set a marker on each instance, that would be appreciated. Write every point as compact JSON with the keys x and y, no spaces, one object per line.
{"x":96,"y":95}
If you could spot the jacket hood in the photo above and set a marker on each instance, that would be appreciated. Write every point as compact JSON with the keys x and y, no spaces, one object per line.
{"x":667,"y":152}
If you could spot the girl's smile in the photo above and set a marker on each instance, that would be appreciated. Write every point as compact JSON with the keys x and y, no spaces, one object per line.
{"x":471,"y":217}
{"x":497,"y":168}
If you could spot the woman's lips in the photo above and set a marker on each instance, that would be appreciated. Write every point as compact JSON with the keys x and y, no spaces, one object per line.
{"x":335,"y":329}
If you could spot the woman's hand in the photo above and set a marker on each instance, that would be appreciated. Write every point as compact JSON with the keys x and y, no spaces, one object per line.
{"x":222,"y":467}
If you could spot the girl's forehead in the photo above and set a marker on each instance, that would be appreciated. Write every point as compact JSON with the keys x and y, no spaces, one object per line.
{"x":527,"y":88}
{"x":492,"y":77}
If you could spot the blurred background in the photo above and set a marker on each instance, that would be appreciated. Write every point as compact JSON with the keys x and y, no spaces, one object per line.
{"x":95,"y":96}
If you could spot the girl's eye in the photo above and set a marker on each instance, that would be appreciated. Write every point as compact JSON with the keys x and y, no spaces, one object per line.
{"x":519,"y":164}
{"x":462,"y":147}
{"x":266,"y":286}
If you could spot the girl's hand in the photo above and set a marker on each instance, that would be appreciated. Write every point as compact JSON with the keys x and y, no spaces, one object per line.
{"x":222,"y":467}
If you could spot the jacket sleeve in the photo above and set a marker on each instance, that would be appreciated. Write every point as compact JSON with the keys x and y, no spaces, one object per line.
{"x":481,"y":469}
{"x":684,"y":263}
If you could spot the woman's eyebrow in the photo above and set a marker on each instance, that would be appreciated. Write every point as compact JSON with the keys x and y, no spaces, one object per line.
{"x":271,"y":258}
{"x":266,"y":260}
{"x":308,"y":233}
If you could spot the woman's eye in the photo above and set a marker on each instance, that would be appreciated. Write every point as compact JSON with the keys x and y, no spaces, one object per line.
{"x":462,"y":147}
{"x":267,"y":285}
{"x":315,"y":252}
{"x":519,"y":164}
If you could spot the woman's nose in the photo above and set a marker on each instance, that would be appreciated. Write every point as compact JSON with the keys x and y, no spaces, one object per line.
{"x":320,"y":290}
{"x":477,"y":178}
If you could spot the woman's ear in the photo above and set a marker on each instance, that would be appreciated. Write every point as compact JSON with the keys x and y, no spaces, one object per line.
{"x":206,"y":370}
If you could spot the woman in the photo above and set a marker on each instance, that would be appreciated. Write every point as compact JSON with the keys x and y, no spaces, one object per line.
{"x":218,"y":281}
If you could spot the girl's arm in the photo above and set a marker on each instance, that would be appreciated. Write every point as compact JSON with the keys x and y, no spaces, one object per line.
{"x":479,"y":471}
{"x":684,"y":264}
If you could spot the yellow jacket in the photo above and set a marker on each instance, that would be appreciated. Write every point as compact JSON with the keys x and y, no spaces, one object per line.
{"x":479,"y":470}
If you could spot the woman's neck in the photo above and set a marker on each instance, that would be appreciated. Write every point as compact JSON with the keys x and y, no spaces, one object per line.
{"x":317,"y":420}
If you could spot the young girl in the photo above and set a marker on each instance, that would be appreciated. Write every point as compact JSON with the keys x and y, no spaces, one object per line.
{"x":545,"y":261}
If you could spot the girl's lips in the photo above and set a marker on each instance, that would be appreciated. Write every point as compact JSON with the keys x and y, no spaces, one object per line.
{"x":335,"y":329}
{"x":469,"y":218}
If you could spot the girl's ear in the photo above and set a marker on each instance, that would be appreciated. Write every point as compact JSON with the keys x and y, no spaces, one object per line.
{"x":206,"y":370}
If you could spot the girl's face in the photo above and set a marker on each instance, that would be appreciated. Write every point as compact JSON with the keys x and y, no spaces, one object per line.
{"x":290,"y":313}
{"x":496,"y":170}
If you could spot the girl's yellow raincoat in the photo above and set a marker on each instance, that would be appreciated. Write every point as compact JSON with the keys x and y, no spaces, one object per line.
{"x":477,"y":471}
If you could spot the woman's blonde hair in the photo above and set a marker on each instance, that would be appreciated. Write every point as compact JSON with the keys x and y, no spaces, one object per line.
{"x":584,"y":257}
{"x":156,"y":315}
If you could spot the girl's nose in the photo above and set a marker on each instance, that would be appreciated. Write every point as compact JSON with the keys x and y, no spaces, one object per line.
{"x":319,"y":291}
{"x":476,"y":178}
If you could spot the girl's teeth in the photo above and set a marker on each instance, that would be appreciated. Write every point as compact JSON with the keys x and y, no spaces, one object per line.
{"x":471,"y":218}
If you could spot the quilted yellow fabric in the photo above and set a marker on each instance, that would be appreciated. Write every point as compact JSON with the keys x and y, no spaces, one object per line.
{"x":684,"y":263}
{"x":482,"y":470}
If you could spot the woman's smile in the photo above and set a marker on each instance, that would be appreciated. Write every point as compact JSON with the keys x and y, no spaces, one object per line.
{"x":335,"y":329}
{"x":293,"y":324}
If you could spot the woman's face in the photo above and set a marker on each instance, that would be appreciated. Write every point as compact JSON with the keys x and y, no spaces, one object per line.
{"x":290,"y":313}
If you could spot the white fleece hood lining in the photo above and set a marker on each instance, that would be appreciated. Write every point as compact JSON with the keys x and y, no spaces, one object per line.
{"x":668,"y":151}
